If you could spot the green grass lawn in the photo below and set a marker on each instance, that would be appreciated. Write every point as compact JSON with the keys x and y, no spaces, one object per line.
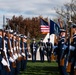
{"x":39,"y":68}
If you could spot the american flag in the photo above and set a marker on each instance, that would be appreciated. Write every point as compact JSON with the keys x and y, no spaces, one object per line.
{"x":44,"y":26}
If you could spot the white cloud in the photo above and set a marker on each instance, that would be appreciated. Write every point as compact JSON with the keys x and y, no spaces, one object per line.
{"x":29,"y":8}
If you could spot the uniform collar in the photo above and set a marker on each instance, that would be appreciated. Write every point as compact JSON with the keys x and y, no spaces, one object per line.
{"x":0,"y":36}
{"x":62,"y":38}
{"x":74,"y":36}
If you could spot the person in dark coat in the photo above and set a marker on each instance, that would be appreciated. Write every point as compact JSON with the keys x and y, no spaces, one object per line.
{"x":1,"y":66}
{"x":42,"y":48}
{"x":49,"y":47}
{"x":73,"y":52}
{"x":24,"y":53}
{"x":34,"y":47}
{"x":61,"y":52}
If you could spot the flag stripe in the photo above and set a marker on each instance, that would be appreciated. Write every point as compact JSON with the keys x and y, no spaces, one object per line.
{"x":44,"y":31}
{"x":44,"y":26}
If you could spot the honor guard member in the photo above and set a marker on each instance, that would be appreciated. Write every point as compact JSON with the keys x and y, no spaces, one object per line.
{"x":12,"y":60}
{"x":61,"y":52}
{"x":26,"y":51}
{"x":1,"y":66}
{"x":33,"y":47}
{"x":17,"y":69}
{"x":18,"y":47}
{"x":49,"y":47}
{"x":5,"y":55}
{"x":23,"y":61}
{"x":73,"y":52}
{"x":42,"y":49}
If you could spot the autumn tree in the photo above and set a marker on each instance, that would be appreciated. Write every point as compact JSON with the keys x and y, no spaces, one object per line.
{"x":27,"y":26}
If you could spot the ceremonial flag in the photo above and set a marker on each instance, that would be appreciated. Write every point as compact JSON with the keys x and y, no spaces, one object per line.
{"x":54,"y":28}
{"x":44,"y":26}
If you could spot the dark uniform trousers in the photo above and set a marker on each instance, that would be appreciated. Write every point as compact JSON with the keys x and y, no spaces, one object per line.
{"x":24,"y":62}
{"x":17,"y":69}
{"x":18,"y":65}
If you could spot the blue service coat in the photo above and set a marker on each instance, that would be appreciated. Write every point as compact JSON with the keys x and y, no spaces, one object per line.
{"x":0,"y":52}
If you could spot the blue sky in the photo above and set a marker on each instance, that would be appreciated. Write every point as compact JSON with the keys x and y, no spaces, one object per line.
{"x":29,"y":8}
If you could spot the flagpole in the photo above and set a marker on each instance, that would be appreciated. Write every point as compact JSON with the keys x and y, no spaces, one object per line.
{"x":49,"y":29}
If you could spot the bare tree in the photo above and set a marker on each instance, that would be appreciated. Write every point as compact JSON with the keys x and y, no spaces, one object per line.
{"x":68,"y":11}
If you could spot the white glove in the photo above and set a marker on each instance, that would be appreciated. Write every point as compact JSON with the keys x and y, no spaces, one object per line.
{"x":23,"y":54}
{"x":19,"y":55}
{"x":4,"y":62}
{"x":11,"y":59}
{"x":16,"y":55}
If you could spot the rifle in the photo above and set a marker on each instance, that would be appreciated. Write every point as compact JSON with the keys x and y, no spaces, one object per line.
{"x":10,"y":51}
{"x":18,"y":48}
{"x":4,"y":54}
{"x":69,"y":52}
{"x":14,"y":48}
{"x":55,"y":39}
{"x":55,"y":46}
{"x":62,"y":59}
{"x":23,"y":51}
